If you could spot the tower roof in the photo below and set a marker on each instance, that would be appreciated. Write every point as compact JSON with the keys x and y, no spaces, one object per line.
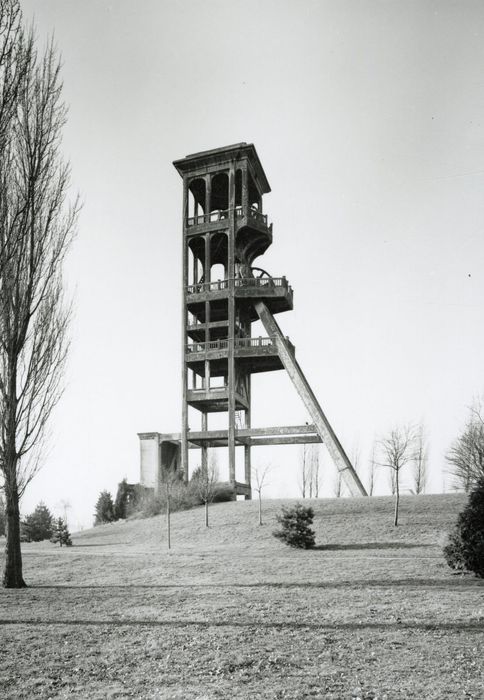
{"x":219,"y":156}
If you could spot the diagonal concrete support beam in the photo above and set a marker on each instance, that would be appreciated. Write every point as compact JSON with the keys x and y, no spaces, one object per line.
{"x":309,"y":399}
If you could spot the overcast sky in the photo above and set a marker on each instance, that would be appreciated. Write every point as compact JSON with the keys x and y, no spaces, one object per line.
{"x":368,"y":119}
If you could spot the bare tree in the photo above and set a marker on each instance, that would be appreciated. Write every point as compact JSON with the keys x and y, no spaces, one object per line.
{"x":36,"y":229}
{"x":309,"y":473}
{"x":205,"y":481}
{"x":304,"y":464}
{"x":392,"y":481}
{"x":259,"y":475}
{"x":169,"y":477}
{"x":396,"y":450}
{"x":466,"y":454}
{"x":372,"y":467}
{"x":338,"y":484}
{"x":64,"y":506}
{"x":314,"y":480}
{"x":420,"y":460}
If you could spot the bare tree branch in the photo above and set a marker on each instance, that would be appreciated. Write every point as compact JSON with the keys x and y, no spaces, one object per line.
{"x":420,"y":458}
{"x":396,"y":451}
{"x":465,"y":457}
{"x":259,"y":475}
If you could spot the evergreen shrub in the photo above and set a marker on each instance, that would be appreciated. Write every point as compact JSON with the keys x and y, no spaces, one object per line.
{"x":465,"y":549}
{"x":295,"y":525}
{"x":61,"y":533}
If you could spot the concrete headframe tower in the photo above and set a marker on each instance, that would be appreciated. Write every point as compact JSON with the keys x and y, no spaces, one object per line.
{"x":224,"y":231}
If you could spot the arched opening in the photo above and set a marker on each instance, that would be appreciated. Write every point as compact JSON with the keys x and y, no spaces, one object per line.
{"x":218,"y":257}
{"x":238,"y":188}
{"x":219,"y":197}
{"x":197,"y":199}
{"x":217,"y":272}
{"x":255,"y":199}
{"x":196,"y":261}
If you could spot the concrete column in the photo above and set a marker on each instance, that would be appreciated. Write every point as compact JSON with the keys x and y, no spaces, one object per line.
{"x":247,"y":461}
{"x":184,"y":377}
{"x":245,"y":189}
{"x":208,"y":262}
{"x":204,"y":447}
{"x":231,"y":329}
{"x":208,"y":195}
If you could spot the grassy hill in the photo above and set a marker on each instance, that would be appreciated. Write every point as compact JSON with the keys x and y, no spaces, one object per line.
{"x":230,"y":612}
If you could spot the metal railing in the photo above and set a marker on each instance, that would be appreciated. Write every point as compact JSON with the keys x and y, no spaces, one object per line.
{"x":257,"y":282}
{"x":223,"y":214}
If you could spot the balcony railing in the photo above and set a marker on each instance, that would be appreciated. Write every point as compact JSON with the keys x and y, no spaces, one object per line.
{"x":208,"y":287}
{"x":206,"y":347}
{"x":222,"y":215}
{"x":252,"y":213}
{"x":253,"y":282}
{"x":217,"y":215}
{"x":212,"y":389}
{"x":238,"y":343}
{"x":260,"y":282}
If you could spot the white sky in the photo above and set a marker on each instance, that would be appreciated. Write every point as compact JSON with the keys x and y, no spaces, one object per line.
{"x":367,"y":117}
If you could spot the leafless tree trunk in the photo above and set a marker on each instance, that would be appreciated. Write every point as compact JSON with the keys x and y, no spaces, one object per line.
{"x":206,"y":484}
{"x":338,"y":484}
{"x":304,"y":470}
{"x":259,"y":479}
{"x":420,"y":460}
{"x":466,"y":455}
{"x":372,"y":470}
{"x":397,"y":449}
{"x":36,"y":229}
{"x":392,"y":480}
{"x":169,"y":477}
{"x":309,"y":481}
{"x":313,"y":471}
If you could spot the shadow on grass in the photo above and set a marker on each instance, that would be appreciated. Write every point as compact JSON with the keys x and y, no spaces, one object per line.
{"x":258,"y":624}
{"x":368,"y":545}
{"x":77,"y":545}
{"x":462,"y":581}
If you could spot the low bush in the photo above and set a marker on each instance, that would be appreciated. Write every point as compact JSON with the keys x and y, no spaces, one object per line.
{"x":295,"y":525}
{"x":61,"y":533}
{"x":465,"y":549}
{"x":182,"y":497}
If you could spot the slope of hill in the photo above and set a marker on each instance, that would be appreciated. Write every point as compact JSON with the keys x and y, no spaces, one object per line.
{"x":230,"y":612}
{"x":423,"y":520}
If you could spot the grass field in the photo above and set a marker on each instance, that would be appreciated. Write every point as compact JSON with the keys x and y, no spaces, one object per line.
{"x":230,"y":612}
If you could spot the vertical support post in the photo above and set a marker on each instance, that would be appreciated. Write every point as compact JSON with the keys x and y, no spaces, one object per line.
{"x":207,"y":277}
{"x":231,"y":325}
{"x":245,"y":190}
{"x":195,"y":269}
{"x":204,"y":446}
{"x":208,"y":197}
{"x":184,"y":433}
{"x":247,"y":461}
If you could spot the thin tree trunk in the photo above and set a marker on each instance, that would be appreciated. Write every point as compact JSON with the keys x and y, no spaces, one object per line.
{"x":397,"y":497}
{"x":168,"y":523}
{"x":260,"y":509}
{"x":206,"y":513}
